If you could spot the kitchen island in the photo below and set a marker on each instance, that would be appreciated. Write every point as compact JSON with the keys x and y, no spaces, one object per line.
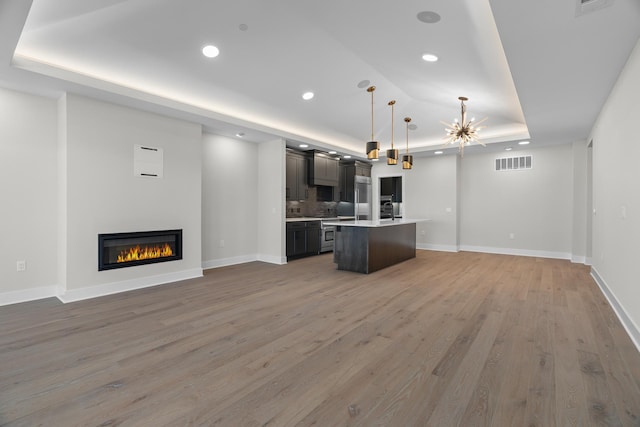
{"x":366,"y":246}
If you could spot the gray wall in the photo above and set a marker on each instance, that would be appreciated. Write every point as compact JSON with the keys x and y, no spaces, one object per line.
{"x":104,"y":196}
{"x":616,"y":186}
{"x":473,"y":207}
{"x":271,"y":201}
{"x":28,"y":190}
{"x":535,"y":205}
{"x":229,"y":201}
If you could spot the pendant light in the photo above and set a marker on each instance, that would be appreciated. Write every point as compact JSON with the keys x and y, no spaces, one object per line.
{"x":373,"y":147}
{"x":392,"y":154}
{"x":407,"y":159}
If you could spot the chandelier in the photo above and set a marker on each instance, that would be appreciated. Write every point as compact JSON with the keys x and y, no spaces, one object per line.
{"x":373,"y":147}
{"x":392,"y":154}
{"x":463,"y":132}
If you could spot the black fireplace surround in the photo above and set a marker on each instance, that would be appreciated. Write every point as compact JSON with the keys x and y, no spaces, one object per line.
{"x":118,"y":250}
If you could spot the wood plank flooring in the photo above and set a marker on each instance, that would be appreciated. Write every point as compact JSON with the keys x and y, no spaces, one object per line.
{"x":445,"y":339}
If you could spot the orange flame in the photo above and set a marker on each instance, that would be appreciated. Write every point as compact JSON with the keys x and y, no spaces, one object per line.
{"x":147,"y":252}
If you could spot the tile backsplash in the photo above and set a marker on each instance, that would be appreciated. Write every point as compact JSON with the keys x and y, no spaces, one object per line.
{"x":311,"y":207}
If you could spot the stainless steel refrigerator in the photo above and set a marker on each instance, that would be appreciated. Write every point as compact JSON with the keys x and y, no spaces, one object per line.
{"x":363,"y":203}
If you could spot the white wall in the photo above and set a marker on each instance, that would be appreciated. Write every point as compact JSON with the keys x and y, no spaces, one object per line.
{"x":536,"y":205}
{"x":473,"y":207}
{"x":104,"y":196}
{"x":28,"y":185}
{"x":229,"y":201}
{"x":616,"y":186}
{"x":581,"y":206}
{"x":271,"y":202}
{"x":430,"y":192}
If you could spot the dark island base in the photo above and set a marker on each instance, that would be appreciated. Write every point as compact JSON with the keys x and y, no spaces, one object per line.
{"x":369,"y":249}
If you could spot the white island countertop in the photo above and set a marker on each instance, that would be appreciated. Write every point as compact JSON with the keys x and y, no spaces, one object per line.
{"x":376,"y":223}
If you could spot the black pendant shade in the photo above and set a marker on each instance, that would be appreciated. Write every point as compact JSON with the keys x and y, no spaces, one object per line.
{"x":373,"y":149}
{"x":392,"y":156}
{"x":407,"y":161}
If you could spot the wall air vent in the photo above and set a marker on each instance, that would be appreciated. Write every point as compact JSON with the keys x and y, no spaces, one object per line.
{"x":587,"y":6}
{"x":514,"y":163}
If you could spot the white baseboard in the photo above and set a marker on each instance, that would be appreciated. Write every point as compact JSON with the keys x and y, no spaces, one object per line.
{"x":216,"y":263}
{"x":272,"y":259}
{"x":439,"y":248}
{"x":127,"y":285}
{"x":15,"y":297}
{"x":579,"y":259}
{"x":518,"y":252}
{"x":629,"y":325}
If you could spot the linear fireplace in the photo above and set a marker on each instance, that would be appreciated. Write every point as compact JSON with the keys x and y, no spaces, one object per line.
{"x":117,"y":250}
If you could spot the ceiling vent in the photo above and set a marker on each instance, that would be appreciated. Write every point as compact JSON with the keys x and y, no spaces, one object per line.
{"x":514,"y":163}
{"x":587,"y":6}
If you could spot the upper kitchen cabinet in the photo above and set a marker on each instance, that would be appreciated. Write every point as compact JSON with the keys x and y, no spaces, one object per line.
{"x":362,"y":168}
{"x":323,"y":170}
{"x":349,"y":171}
{"x":296,"y":180}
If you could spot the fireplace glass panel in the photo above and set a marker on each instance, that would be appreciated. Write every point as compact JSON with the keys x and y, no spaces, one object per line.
{"x":117,"y":250}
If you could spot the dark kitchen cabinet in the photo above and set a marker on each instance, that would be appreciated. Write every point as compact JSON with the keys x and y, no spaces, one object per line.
{"x":296,"y":176}
{"x":362,"y":169}
{"x":303,"y":238}
{"x":323,"y":170}
{"x":348,"y":173}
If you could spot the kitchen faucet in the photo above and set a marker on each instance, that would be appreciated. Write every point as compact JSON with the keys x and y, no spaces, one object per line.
{"x":393,"y":215}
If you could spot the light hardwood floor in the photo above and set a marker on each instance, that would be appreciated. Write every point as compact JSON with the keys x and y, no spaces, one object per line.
{"x":446,"y":339}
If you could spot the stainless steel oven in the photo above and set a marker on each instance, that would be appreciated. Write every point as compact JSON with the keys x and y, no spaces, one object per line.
{"x":327,"y":233}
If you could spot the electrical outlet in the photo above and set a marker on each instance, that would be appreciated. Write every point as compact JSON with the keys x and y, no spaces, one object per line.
{"x":222,"y":243}
{"x":512,"y":236}
{"x":21,"y":265}
{"x":422,"y":232}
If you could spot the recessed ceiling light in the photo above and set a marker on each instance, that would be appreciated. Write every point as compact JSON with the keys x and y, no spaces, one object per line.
{"x":429,"y":57}
{"x":523,"y":143}
{"x":346,"y":157}
{"x":438,"y":152}
{"x":428,"y":17}
{"x":363,"y":83}
{"x":413,"y":127}
{"x":210,"y":51}
{"x":508,"y":149}
{"x":333,"y":152}
{"x":303,"y":145}
{"x":240,"y":134}
{"x":243,"y":27}
{"x":308,"y":95}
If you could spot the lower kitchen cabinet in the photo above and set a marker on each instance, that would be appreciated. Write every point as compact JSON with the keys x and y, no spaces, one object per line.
{"x":303,"y":238}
